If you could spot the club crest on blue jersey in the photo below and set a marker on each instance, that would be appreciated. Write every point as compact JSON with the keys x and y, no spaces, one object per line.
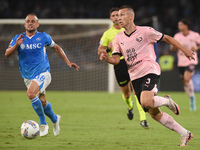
{"x":22,"y":46}
{"x":38,"y":39}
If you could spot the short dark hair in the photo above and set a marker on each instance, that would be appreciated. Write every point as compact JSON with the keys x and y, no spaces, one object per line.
{"x":185,"y":21}
{"x":128,"y":7}
{"x":113,"y":9}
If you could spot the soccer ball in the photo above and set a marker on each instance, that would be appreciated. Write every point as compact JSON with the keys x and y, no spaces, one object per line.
{"x":30,"y":129}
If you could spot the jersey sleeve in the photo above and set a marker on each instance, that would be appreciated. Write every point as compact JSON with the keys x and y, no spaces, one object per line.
{"x":116,"y":47}
{"x":104,"y":40}
{"x":153,"y":35}
{"x":13,"y":41}
{"x":49,"y":42}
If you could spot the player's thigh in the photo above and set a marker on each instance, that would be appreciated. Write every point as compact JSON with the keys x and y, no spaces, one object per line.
{"x":43,"y":80}
{"x":33,"y":90}
{"x":38,"y":84}
{"x":187,"y":76}
{"x":188,"y":73}
{"x":146,"y":99}
{"x":149,"y":89}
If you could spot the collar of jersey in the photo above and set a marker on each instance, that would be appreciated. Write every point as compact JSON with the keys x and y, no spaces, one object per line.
{"x":28,"y":36}
{"x":130,"y":33}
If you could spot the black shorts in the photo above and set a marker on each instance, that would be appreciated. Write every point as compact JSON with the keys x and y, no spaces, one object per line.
{"x":121,"y":73}
{"x":190,"y":68}
{"x":146,"y":83}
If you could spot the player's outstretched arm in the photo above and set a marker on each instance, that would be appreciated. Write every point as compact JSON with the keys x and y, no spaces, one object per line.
{"x":62,"y":55}
{"x":115,"y":59}
{"x":188,"y":53}
{"x":11,"y":50}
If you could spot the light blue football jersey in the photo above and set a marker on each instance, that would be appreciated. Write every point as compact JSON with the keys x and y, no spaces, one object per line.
{"x":32,"y":56}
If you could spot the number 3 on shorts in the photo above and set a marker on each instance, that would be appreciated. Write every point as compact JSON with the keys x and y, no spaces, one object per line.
{"x":148,"y":81}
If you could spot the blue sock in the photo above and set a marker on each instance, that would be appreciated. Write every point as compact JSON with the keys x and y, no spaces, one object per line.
{"x":192,"y":103}
{"x":49,"y":112}
{"x":37,"y":106}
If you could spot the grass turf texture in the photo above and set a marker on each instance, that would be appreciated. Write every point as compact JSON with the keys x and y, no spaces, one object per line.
{"x":93,"y":121}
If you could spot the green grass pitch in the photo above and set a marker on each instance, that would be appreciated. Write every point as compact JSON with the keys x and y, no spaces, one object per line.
{"x":94,"y":121}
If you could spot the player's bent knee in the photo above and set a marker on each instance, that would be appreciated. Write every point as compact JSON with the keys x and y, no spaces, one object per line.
{"x":155,"y":113}
{"x":147,"y":99}
{"x":31,"y":95}
{"x":127,"y":95}
{"x":156,"y":117}
{"x":147,"y":104}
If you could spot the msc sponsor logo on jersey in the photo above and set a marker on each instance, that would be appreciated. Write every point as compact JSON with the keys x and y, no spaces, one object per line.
{"x":31,"y":46}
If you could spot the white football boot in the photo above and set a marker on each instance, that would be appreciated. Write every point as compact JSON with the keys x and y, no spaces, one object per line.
{"x":44,"y":130}
{"x":56,"y":127}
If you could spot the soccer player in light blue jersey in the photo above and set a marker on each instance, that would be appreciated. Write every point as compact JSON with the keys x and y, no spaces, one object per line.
{"x":35,"y":69}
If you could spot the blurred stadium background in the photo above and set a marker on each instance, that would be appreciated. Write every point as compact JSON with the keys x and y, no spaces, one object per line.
{"x":80,"y":42}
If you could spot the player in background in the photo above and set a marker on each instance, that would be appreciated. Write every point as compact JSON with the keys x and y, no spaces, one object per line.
{"x":121,"y":70}
{"x":136,"y":45}
{"x":190,"y":40}
{"x":35,"y":69}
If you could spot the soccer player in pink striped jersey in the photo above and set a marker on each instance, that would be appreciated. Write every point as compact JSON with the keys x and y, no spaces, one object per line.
{"x":135,"y":43}
{"x":190,"y":40}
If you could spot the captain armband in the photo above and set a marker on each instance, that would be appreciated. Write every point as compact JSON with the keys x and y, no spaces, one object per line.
{"x":52,"y":44}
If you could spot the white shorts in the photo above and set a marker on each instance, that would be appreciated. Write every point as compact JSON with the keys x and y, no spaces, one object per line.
{"x":43,"y":80}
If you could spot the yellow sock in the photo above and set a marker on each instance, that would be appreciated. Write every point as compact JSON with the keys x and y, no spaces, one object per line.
{"x":141,"y":111}
{"x":128,"y":102}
